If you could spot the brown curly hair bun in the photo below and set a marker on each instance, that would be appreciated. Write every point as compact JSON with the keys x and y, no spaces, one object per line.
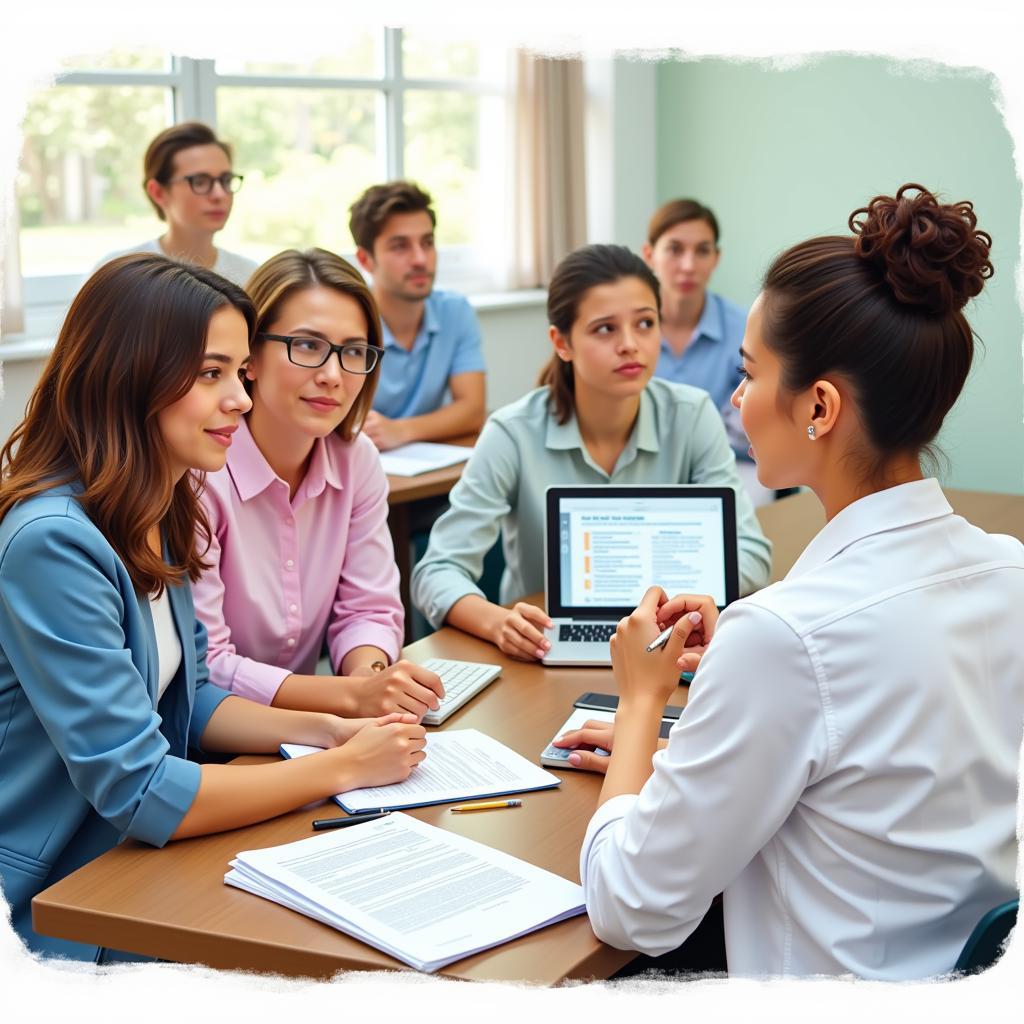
{"x":931,"y":254}
{"x":883,"y":309}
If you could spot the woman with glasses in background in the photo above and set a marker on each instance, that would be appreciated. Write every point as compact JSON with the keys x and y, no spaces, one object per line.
{"x":300,"y":551}
{"x":189,"y":181}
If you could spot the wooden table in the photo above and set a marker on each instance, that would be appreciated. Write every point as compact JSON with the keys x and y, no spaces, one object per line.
{"x":403,"y":493}
{"x":172,"y":903}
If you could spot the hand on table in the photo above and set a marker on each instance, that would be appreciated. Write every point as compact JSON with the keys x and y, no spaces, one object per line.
{"x":341,"y":730}
{"x":403,"y":687}
{"x":593,"y":733}
{"x":590,"y":735}
{"x":382,"y":751}
{"x":520,"y":633}
{"x":385,"y":433}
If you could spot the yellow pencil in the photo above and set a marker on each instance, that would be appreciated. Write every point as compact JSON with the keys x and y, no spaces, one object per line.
{"x":487,"y":805}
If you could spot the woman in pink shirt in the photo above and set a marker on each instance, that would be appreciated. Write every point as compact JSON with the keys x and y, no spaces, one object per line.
{"x":300,"y":550}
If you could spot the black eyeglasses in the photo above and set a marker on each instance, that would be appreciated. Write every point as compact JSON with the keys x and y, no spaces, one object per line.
{"x":354,"y":356}
{"x":202,"y":184}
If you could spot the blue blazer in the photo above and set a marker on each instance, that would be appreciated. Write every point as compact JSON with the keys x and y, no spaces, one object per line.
{"x":86,"y":755}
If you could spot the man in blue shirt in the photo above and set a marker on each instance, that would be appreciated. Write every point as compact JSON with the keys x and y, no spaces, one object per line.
{"x":701,"y":331}
{"x":431,"y":383}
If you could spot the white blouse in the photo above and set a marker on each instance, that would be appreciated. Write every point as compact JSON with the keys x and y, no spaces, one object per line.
{"x":846,"y":768}
{"x":168,"y":646}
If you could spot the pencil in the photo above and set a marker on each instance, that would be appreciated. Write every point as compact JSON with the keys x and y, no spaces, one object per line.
{"x":487,"y":805}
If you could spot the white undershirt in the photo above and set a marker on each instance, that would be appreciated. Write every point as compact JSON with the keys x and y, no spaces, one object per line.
{"x":168,"y":646}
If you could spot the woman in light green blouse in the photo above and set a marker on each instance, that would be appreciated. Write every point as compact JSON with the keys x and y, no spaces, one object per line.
{"x":598,"y":417}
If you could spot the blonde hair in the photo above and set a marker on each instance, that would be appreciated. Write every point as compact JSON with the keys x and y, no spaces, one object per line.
{"x":292,"y":271}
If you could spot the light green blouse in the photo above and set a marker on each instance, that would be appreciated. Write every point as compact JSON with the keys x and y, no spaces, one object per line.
{"x":678,"y":438}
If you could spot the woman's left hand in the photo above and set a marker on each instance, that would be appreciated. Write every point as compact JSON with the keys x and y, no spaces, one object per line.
{"x":341,"y":730}
{"x":644,"y":675}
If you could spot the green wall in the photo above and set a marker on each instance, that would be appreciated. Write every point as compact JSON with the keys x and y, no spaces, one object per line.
{"x":780,"y":155}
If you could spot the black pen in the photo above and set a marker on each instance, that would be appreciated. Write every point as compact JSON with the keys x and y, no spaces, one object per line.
{"x":353,"y":819}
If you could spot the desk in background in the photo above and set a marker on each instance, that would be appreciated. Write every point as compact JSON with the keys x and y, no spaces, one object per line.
{"x":173,"y":904}
{"x":403,"y":494}
{"x":791,"y":523}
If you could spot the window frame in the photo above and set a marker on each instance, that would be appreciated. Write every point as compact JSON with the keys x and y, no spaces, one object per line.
{"x":192,"y":85}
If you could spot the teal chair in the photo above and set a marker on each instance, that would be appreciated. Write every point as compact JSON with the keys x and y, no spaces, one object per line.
{"x":982,"y":949}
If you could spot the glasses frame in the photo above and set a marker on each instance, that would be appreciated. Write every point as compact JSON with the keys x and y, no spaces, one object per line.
{"x":230,"y":176}
{"x":331,"y":349}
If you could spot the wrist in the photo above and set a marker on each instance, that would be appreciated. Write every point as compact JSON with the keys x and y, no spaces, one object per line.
{"x":640,"y":705}
{"x":495,"y":617}
{"x":405,"y":431}
{"x":331,"y":731}
{"x":313,"y":729}
{"x":346,"y":702}
{"x":341,"y":775}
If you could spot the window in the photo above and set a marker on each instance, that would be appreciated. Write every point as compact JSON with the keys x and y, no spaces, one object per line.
{"x":309,"y":137}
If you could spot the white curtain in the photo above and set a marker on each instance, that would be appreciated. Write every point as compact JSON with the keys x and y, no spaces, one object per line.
{"x":12,"y":317}
{"x":549,"y":190}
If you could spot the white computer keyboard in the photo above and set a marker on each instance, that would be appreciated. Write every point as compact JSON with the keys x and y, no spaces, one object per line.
{"x":462,"y":681}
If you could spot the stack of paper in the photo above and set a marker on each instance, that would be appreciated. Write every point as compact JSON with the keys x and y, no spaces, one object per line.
{"x":422,"y":895}
{"x":422,"y":457}
{"x":463,"y":764}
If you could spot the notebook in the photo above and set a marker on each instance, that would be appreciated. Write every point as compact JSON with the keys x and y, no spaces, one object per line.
{"x":604,"y":546}
{"x":422,"y":457}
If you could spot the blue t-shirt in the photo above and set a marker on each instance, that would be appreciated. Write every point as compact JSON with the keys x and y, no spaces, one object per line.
{"x":415,"y":382}
{"x":710,"y":361}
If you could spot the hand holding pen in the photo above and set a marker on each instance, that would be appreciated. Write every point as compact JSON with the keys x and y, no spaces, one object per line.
{"x":671,"y":611}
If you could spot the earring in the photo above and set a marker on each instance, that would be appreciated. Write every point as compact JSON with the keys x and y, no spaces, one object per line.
{"x":810,"y":432}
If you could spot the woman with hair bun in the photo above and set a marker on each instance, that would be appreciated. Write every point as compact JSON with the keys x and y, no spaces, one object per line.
{"x":846,"y":769}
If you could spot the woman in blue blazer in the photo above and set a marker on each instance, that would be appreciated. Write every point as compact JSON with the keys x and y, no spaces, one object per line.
{"x":103,"y":682}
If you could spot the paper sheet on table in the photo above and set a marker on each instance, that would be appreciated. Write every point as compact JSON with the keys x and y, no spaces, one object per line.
{"x":422,"y":457}
{"x":423,"y":895}
{"x":463,"y":764}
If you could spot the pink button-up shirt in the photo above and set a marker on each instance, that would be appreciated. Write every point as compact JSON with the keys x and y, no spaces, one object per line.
{"x":285,"y":573}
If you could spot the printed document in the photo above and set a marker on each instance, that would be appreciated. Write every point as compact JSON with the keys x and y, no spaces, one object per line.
{"x":422,"y":457}
{"x":463,"y":764}
{"x":423,"y":895}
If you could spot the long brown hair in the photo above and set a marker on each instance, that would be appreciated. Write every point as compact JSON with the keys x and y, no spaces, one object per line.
{"x":131,"y":345}
{"x":581,"y":270}
{"x":292,"y":271}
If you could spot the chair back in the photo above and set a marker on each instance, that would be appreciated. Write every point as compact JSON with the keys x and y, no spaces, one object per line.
{"x":982,"y":949}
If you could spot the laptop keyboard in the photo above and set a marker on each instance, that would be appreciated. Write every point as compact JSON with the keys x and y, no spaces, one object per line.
{"x":461,"y":679}
{"x":587,"y":632}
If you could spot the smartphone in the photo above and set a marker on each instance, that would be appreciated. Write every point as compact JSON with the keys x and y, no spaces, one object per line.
{"x":609,"y":702}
